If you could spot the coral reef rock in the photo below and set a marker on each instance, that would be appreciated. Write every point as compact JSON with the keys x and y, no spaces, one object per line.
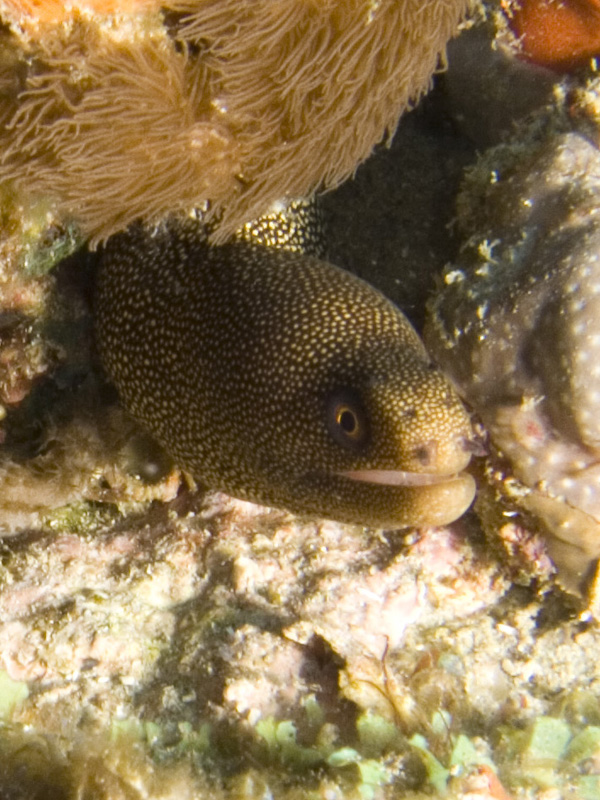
{"x":517,"y":327}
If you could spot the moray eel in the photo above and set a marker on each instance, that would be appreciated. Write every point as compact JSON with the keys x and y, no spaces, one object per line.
{"x":280,"y":379}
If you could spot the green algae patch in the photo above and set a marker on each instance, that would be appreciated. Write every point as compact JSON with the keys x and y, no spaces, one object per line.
{"x":376,"y":734}
{"x":12,"y":694}
{"x":465,"y":754}
{"x":588,"y":787}
{"x":373,"y":775}
{"x":586,"y":744}
{"x":548,"y":740}
{"x":343,"y":757}
{"x":193,"y":740}
{"x":280,"y":739}
{"x":436,"y":772}
{"x":346,"y":764}
{"x":551,"y":754}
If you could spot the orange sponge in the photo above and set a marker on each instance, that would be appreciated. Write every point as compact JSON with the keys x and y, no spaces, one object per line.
{"x":559,"y":34}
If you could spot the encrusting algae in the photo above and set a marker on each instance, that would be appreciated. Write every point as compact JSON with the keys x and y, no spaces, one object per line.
{"x":118,"y":116}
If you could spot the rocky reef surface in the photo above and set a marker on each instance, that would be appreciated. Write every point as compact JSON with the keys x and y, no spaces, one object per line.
{"x":159,"y":640}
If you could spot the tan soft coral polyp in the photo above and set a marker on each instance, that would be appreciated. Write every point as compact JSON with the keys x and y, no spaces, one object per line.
{"x":118,"y":131}
{"x":236,"y":104}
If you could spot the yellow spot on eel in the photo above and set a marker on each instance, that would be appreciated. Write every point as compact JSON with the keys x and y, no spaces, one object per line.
{"x":280,"y":379}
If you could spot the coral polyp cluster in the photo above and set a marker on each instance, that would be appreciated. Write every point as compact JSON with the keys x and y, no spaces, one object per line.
{"x":119,"y":116}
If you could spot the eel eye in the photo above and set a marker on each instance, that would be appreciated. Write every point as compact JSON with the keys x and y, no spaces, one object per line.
{"x":347,"y":421}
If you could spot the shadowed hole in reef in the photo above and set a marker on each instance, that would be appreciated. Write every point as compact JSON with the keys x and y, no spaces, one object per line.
{"x":321,"y":671}
{"x":391,"y":224}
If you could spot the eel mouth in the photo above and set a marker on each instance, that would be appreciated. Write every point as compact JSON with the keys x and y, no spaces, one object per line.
{"x":390,"y":499}
{"x":398,"y":477}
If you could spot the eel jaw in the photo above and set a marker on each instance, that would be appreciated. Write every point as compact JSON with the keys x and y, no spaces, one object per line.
{"x":397,"y":477}
{"x":409,"y":499}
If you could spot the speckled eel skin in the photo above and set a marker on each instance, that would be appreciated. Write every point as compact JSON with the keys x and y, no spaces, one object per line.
{"x":280,"y":379}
